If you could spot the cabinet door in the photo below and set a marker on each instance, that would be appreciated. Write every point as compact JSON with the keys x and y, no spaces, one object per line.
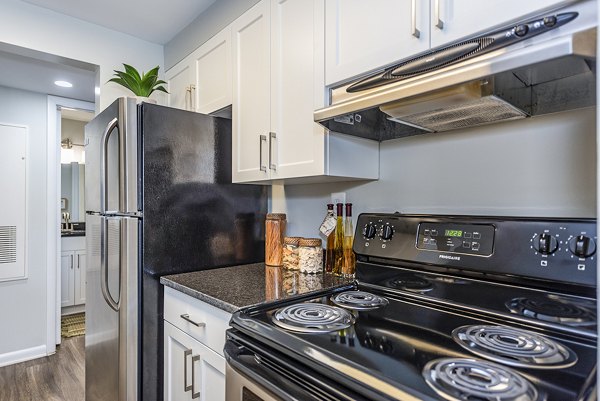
{"x":251,"y":94}
{"x":454,"y":19}
{"x":67,"y":287}
{"x":177,"y":364}
{"x":180,"y":80}
{"x":79,"y":279}
{"x":191,"y":365}
{"x":213,"y":73}
{"x":297,"y":144}
{"x":364,"y":36}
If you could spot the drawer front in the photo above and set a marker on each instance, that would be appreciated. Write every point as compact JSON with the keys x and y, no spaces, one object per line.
{"x":182,"y":311}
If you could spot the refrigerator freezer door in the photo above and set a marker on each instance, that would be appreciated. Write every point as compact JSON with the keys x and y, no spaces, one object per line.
{"x":111,"y":343}
{"x":111,"y":157}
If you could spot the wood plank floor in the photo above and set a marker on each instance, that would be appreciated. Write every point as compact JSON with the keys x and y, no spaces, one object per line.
{"x":60,"y":377}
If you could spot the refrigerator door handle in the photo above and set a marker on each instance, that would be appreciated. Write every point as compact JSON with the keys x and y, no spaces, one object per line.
{"x":114,"y":123}
{"x":114,"y":305}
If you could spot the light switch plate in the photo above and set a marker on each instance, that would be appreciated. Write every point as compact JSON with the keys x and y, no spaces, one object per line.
{"x":338,"y":197}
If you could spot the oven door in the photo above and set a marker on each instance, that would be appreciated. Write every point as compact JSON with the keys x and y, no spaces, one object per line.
{"x":256,"y":372}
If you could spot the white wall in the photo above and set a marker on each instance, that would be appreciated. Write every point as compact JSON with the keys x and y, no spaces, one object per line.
{"x":545,"y":166}
{"x":23,"y":311}
{"x":40,"y":29}
{"x":220,"y":14}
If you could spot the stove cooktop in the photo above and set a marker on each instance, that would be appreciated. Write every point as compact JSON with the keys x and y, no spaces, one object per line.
{"x":449,"y":308}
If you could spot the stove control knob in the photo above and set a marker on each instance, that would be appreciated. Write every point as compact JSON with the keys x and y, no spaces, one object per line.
{"x":369,"y":231}
{"x":582,"y":246}
{"x":369,"y":342}
{"x":545,"y":244}
{"x":387,"y":232}
{"x":521,"y":30}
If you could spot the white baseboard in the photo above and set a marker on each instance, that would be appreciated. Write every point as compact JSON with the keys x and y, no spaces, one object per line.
{"x":11,"y":358}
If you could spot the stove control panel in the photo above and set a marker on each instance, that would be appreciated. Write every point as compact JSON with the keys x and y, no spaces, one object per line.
{"x":472,"y":239}
{"x":563,"y":250}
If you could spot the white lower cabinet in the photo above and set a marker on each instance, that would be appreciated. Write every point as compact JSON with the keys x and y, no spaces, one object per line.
{"x":192,"y":370}
{"x":194,"y":337}
{"x":72,"y":278}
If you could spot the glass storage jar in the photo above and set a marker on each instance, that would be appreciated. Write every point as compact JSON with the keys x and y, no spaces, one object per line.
{"x":310,"y":255}
{"x":290,"y":253}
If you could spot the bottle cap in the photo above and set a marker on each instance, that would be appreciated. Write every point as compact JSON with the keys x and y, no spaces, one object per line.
{"x":348,"y":209}
{"x":340,"y":210}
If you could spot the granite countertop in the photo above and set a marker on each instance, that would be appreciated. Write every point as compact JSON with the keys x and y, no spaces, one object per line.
{"x":74,"y":233}
{"x":236,"y":287}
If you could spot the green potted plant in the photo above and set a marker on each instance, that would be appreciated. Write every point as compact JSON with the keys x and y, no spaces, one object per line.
{"x":142,"y":85}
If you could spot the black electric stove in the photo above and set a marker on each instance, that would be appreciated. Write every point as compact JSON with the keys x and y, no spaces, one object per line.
{"x":455,"y":308}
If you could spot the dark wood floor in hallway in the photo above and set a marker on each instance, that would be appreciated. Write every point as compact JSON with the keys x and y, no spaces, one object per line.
{"x":60,"y":377}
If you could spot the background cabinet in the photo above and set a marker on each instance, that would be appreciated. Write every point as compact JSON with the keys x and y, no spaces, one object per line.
{"x":278,"y":83}
{"x":361,"y":37}
{"x":72,"y":279}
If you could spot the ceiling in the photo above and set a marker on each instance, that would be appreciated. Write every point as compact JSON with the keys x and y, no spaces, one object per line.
{"x":36,"y":72}
{"x":156,"y":21}
{"x":77,"y":115}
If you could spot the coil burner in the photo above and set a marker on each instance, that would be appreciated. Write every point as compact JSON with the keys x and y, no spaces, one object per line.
{"x":514,"y":347}
{"x":312,"y":318}
{"x":411,"y":282}
{"x":553,"y":309}
{"x":459,"y":379}
{"x":358,"y":300}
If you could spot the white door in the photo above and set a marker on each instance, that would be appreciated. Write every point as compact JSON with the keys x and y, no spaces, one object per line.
{"x":192,"y":370}
{"x":297,"y":87}
{"x":454,"y":19}
{"x":80,"y":277}
{"x":364,"y":36}
{"x":251,"y":94}
{"x":180,"y":80}
{"x":213,"y":73}
{"x":67,"y":281}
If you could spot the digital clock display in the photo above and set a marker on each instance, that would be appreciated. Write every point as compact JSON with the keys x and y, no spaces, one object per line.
{"x":454,"y":233}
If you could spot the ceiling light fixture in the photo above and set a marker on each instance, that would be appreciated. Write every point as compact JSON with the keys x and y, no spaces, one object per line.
{"x":63,"y":84}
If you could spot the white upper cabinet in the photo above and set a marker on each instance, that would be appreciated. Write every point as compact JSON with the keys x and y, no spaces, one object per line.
{"x":213,"y":73}
{"x":180,"y":81}
{"x":251,"y":94}
{"x":364,"y":36}
{"x":279,"y":81}
{"x":202,"y":81}
{"x":455,"y":19}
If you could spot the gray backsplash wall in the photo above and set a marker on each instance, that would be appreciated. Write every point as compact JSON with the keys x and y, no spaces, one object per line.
{"x":543,"y":166}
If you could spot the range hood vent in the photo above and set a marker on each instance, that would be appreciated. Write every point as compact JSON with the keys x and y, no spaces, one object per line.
{"x":549,"y":76}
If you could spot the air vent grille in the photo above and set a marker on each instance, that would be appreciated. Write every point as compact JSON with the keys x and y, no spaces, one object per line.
{"x":8,"y":244}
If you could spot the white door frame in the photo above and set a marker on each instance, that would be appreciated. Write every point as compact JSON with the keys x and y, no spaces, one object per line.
{"x":55,"y":103}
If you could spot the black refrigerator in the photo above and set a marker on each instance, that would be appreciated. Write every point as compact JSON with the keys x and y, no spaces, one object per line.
{"x":159,"y":200}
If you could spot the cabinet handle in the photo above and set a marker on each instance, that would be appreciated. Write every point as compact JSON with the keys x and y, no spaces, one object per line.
{"x":72,"y":262}
{"x":193,"y":96}
{"x":190,"y":90}
{"x":438,"y":21}
{"x":186,"y":317}
{"x":187,"y":353}
{"x":413,"y":21}
{"x":260,"y":158}
{"x":78,"y":255}
{"x":194,"y":393}
{"x":272,"y":137}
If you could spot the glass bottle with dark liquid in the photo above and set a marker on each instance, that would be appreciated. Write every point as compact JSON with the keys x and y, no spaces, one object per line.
{"x":338,"y":249}
{"x":329,"y":257}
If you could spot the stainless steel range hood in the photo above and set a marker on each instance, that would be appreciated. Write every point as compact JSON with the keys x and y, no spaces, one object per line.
{"x":547,"y":76}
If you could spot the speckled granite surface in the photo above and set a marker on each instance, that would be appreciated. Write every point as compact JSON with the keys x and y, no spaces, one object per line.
{"x":232,"y":288}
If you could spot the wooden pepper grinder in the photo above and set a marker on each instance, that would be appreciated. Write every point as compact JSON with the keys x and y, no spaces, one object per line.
{"x":274,"y":235}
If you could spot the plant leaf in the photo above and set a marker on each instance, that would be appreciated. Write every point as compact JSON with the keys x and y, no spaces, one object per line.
{"x":132,"y":72}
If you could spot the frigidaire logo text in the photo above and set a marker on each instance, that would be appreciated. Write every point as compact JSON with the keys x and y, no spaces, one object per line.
{"x":449,"y":257}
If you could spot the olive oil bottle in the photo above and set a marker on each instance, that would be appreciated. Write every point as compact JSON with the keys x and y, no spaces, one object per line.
{"x":329,"y":252}
{"x":338,"y":248}
{"x":349,"y":264}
